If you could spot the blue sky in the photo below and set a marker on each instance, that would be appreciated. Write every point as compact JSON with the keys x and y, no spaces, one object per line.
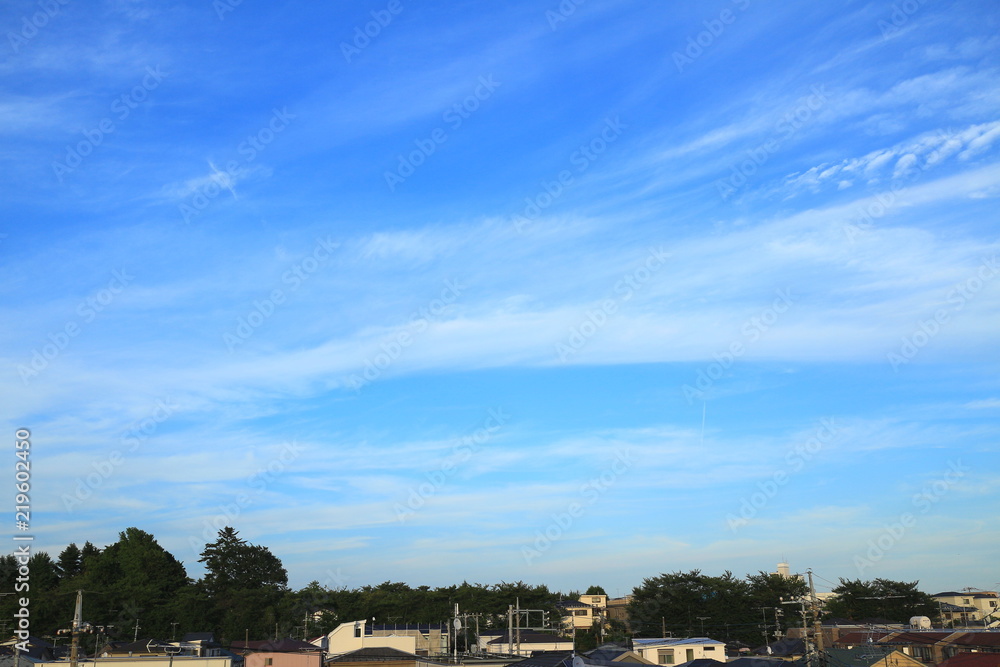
{"x":569,"y":294}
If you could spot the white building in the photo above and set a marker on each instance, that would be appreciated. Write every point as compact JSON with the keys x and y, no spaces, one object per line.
{"x":672,"y":651}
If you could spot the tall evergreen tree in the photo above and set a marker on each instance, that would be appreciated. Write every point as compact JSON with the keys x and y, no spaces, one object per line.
{"x":70,"y":562}
{"x":246,"y":585}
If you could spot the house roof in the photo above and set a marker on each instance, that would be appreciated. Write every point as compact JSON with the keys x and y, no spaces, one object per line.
{"x":676,"y":641}
{"x":984,"y":639}
{"x":139,"y":646}
{"x":782,"y":648}
{"x":856,"y":638}
{"x":573,"y":604}
{"x":764,"y":662}
{"x":546,"y":659}
{"x":914,"y":638}
{"x":859,"y":656}
{"x":527,"y":637}
{"x":701,"y":662}
{"x":615,"y":654}
{"x":378,"y":654}
{"x":972,"y":660}
{"x":286,"y":645}
{"x":199,"y":637}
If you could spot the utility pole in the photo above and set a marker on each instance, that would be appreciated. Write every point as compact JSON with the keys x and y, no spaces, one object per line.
{"x":510,"y":630}
{"x":75,"y":630}
{"x":805,"y":632}
{"x":457,"y":624}
{"x":763,"y":616}
{"x":74,"y":650}
{"x":518,"y":601}
{"x":817,"y":624}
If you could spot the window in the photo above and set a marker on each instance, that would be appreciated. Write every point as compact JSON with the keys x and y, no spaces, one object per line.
{"x":965,"y":601}
{"x":268,"y":662}
{"x":596,"y":600}
{"x":581,"y":612}
{"x":665,"y":656}
{"x":993,"y":603}
{"x":709,"y":648}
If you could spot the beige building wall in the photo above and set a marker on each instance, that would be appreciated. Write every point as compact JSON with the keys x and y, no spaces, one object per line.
{"x":351,"y":636}
{"x":153,"y":661}
{"x":668,"y":653}
{"x":269,"y":659}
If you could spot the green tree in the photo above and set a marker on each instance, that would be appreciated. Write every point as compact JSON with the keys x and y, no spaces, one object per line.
{"x":134,"y":579}
{"x":70,"y":562}
{"x":895,"y":601}
{"x":232,"y":563}
{"x":246,"y":585}
{"x":595,"y":590}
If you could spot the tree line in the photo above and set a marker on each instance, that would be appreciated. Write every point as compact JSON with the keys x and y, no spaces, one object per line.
{"x":136,"y":588}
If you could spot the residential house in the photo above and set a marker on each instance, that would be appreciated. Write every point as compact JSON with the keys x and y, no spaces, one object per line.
{"x":381,"y":657}
{"x":747,"y":661}
{"x":785,"y":649}
{"x":931,"y":647}
{"x":201,"y":644}
{"x":972,"y":660}
{"x":279,"y":653}
{"x":617,"y":609}
{"x":602,"y":656}
{"x":524,"y":642}
{"x":673,"y":651}
{"x":423,"y":640}
{"x":615,"y":653}
{"x":581,"y":615}
{"x":870,"y":655}
{"x":961,"y":609}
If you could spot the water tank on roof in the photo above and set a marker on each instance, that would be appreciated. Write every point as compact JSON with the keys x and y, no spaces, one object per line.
{"x":920,"y":622}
